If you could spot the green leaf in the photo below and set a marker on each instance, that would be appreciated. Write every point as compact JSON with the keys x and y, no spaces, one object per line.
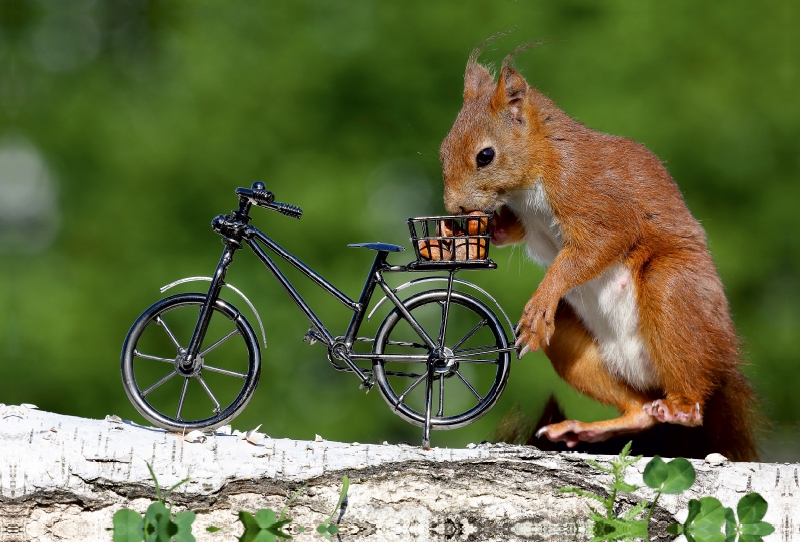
{"x":750,"y":538}
{"x":261,"y":536}
{"x":248,"y":521}
{"x":674,"y":477}
{"x":128,"y":526}
{"x":680,"y":477}
{"x":155,"y":480}
{"x":730,"y":525}
{"x":252,"y":530}
{"x":212,"y":529}
{"x":158,"y":517}
{"x":706,"y":525}
{"x":635,"y":511}
{"x":694,"y":509}
{"x":333,"y":528}
{"x":598,"y":466}
{"x":762,"y":528}
{"x":583,"y":493}
{"x":751,"y":508}
{"x":265,"y":518}
{"x":173,"y":488}
{"x":322,"y":528}
{"x":655,"y":473}
{"x":616,"y":529}
{"x":263,"y":526}
{"x":624,"y":487}
{"x":184,"y":522}
{"x":675,"y":528}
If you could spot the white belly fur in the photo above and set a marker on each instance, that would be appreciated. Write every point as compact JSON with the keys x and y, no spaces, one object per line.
{"x":606,"y":305}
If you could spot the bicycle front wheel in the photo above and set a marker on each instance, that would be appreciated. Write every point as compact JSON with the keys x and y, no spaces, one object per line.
{"x":457,"y":381}
{"x":211,"y":394}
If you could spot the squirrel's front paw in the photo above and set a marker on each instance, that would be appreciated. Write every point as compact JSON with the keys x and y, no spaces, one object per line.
{"x":536,"y":326}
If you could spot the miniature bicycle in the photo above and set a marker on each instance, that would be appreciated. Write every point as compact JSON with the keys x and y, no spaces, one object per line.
{"x":444,"y":338}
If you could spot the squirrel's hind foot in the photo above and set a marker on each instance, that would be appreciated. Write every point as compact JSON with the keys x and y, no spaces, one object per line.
{"x":677,"y":412}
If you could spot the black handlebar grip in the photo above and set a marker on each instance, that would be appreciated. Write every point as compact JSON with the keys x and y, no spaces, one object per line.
{"x":263,"y":197}
{"x":288,"y":210}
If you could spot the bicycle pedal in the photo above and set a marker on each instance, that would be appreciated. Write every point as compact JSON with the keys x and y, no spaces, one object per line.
{"x":312,"y":336}
{"x":367,"y":384}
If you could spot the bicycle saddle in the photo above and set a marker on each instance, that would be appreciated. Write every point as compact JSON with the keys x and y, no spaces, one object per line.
{"x":382,"y":247}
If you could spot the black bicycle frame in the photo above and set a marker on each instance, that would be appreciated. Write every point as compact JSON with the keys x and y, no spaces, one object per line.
{"x":342,"y":349}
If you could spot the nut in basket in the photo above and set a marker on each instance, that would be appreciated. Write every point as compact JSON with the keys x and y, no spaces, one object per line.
{"x":463,"y":238}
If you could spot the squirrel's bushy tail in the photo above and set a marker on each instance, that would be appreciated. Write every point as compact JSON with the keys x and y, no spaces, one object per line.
{"x":727,"y":430}
{"x":729,"y":420}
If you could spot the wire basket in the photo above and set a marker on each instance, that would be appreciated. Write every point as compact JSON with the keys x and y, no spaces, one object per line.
{"x":463,"y":238}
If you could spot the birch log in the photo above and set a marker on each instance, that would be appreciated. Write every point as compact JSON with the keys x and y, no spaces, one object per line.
{"x":63,"y":478}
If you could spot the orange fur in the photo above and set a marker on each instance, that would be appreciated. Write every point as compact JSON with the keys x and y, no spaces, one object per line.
{"x":614,"y":203}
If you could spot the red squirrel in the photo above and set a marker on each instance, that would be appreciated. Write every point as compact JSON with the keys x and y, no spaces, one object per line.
{"x":631,"y":311}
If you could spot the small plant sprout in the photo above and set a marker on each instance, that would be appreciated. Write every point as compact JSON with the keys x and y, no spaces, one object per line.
{"x":707,"y":516}
{"x":607,"y":523}
{"x":327,"y":528}
{"x":158,"y":524}
{"x":264,"y":525}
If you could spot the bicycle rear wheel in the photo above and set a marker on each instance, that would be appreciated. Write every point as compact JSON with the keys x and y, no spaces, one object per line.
{"x":462,"y":378}
{"x":204,"y":398}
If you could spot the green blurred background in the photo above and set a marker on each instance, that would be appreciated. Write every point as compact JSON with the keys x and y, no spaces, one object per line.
{"x":125,"y":126}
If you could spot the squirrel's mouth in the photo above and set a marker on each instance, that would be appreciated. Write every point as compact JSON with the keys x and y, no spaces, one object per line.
{"x":502,"y":218}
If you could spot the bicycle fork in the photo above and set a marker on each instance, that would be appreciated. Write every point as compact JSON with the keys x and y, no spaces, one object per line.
{"x":192,"y":362}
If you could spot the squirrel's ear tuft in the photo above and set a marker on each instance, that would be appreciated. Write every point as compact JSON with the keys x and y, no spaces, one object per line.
{"x":477,"y":80}
{"x":509,"y":93}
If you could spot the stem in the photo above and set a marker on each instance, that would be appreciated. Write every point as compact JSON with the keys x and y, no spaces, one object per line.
{"x":610,"y":504}
{"x":650,"y":513}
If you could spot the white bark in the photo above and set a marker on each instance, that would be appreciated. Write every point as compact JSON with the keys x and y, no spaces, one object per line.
{"x":62,"y":478}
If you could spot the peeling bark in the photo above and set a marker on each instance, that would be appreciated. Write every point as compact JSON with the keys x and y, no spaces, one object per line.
{"x":63,"y":478}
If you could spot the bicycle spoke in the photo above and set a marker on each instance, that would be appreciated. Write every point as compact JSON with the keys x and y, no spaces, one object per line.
{"x":219,"y":342}
{"x":446,"y":311}
{"x":464,"y":380}
{"x":479,"y":351}
{"x":157,"y":384}
{"x":402,"y":396}
{"x":400,"y":373}
{"x":397,"y":358}
{"x":426,"y":431}
{"x":441,"y":396}
{"x":217,"y":408}
{"x":410,"y":345}
{"x":183,"y":396}
{"x":471,"y":333}
{"x":160,"y":321}
{"x":473,"y":360}
{"x":224,"y":371}
{"x":138,"y":354}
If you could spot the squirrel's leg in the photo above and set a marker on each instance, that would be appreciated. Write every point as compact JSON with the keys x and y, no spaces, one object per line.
{"x":576,"y":359}
{"x":685,"y":324}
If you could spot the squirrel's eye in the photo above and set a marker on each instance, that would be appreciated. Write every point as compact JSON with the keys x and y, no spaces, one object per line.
{"x":485,"y":157}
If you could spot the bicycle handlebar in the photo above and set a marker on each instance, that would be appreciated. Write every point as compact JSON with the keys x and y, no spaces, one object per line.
{"x":266,"y":199}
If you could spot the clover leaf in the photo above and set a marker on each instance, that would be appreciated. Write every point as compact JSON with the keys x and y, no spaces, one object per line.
{"x":128,"y":526}
{"x":751,"y":509}
{"x":705,"y":520}
{"x":674,"y":477}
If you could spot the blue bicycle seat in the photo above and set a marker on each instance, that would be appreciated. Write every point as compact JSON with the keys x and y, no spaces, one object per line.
{"x":383,"y":247}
